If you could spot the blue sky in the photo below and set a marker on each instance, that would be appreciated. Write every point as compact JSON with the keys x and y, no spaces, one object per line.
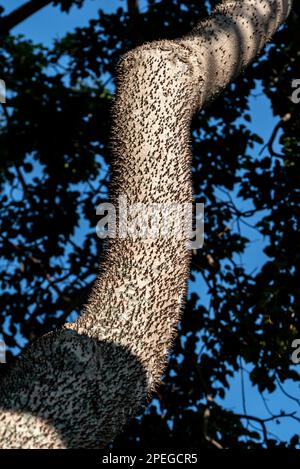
{"x":51,"y":23}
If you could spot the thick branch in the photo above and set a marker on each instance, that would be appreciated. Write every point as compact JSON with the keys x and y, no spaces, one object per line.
{"x":134,"y":17}
{"x":20,"y":14}
{"x":77,"y":387}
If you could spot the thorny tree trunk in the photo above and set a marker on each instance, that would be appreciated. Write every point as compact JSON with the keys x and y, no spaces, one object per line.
{"x":78,"y":386}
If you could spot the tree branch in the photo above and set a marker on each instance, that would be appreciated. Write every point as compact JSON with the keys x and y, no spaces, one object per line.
{"x":79,"y":386}
{"x":263,"y":422}
{"x":270,"y":143}
{"x":134,"y":16}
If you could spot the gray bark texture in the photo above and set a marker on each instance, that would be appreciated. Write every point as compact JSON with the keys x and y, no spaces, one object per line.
{"x":77,"y":387}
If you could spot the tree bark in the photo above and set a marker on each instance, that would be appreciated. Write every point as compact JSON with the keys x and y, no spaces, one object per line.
{"x":77,"y":387}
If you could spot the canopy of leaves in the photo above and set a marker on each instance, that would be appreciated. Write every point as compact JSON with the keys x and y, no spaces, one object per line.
{"x":54,"y":169}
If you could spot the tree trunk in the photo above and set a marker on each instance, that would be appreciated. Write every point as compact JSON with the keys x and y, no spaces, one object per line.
{"x":77,"y":387}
